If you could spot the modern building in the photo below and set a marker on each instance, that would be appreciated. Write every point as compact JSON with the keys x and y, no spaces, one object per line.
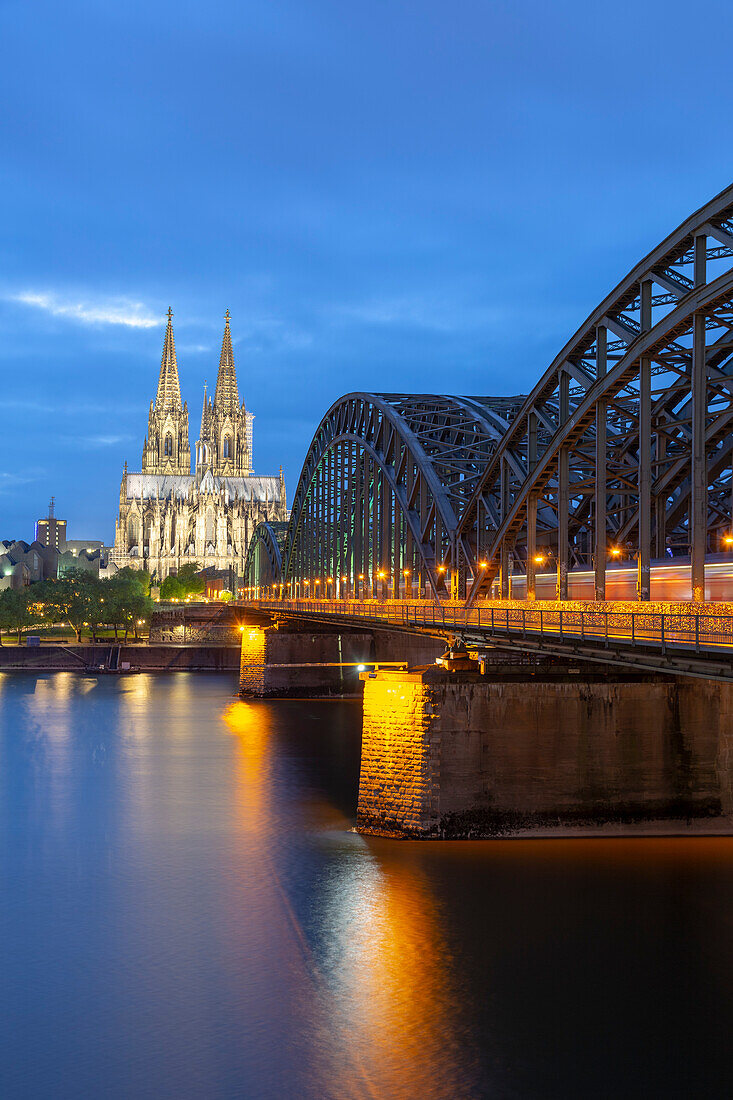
{"x":51,"y":531}
{"x":169,"y":515}
{"x":75,"y":546}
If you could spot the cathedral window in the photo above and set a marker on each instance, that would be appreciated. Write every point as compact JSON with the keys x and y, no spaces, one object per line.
{"x":168,"y":445}
{"x":227,"y":447}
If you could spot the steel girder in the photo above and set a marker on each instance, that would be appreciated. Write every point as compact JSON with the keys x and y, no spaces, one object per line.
{"x":626,"y":439}
{"x":263,"y":564}
{"x":384,"y":484}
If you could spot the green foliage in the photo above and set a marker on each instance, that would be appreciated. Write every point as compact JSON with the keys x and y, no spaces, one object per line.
{"x":129,"y":606}
{"x":83,"y":600}
{"x":189,"y":582}
{"x":140,"y":576}
{"x":76,"y":598}
{"x":226,"y":596}
{"x":172,"y":589}
{"x":15,"y":610}
{"x":186,"y":583}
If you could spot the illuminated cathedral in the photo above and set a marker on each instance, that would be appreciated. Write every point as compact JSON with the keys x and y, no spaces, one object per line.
{"x":168,"y":515}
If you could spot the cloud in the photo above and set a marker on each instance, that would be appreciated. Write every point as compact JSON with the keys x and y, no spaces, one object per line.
{"x":10,"y":481}
{"x":72,"y":407}
{"x":105,"y":311}
{"x":91,"y":441}
{"x":435,"y":314}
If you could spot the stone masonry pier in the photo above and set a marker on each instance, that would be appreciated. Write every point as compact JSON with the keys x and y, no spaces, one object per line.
{"x":458,"y":754}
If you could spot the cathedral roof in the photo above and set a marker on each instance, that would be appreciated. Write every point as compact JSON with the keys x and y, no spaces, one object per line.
{"x":226,"y":397}
{"x":168,"y":486}
{"x":169,"y":389}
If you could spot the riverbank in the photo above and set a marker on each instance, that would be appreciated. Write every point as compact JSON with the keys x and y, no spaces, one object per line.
{"x":120,"y":658}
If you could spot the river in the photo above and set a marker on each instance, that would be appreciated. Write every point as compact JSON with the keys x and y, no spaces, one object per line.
{"x":185,"y":911}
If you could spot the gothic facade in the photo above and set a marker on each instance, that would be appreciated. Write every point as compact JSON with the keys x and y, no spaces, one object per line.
{"x":168,"y":515}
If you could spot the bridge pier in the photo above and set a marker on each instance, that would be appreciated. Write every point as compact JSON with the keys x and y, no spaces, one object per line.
{"x":294,"y":657}
{"x":556,"y":753}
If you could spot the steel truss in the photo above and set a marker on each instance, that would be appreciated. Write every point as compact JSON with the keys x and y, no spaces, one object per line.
{"x":624,"y":445}
{"x":383,"y":487}
{"x":263,"y":564}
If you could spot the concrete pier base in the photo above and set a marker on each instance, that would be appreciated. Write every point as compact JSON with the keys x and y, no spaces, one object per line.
{"x":460,"y":755}
{"x":287,"y":662}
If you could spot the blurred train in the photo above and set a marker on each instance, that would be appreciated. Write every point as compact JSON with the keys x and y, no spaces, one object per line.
{"x":670,"y":581}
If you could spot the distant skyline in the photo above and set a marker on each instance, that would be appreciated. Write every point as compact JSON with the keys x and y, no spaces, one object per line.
{"x":419,"y":197}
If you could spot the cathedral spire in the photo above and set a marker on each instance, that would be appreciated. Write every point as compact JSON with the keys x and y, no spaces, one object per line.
{"x":226,"y":397}
{"x":205,"y":414}
{"x":169,"y":389}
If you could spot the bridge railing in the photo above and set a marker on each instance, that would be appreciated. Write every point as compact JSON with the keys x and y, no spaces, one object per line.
{"x":665,"y":630}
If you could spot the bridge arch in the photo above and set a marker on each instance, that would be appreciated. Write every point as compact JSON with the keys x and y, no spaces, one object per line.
{"x":624,"y":443}
{"x":383,"y":486}
{"x":263,"y":564}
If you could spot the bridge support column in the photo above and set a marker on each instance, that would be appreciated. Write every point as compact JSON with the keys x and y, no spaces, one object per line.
{"x":600,"y":521}
{"x":531,"y":591}
{"x":644,"y":551}
{"x":461,"y":755}
{"x":563,"y":496}
{"x":699,"y":478}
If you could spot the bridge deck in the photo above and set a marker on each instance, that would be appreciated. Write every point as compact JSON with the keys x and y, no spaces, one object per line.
{"x":679,"y":642}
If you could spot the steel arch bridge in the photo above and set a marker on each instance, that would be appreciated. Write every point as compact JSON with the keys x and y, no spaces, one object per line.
{"x":263,"y":564}
{"x":385,"y":482}
{"x":625,"y":443}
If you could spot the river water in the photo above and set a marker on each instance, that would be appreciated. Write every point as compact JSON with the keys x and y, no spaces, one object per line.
{"x":184,"y":912}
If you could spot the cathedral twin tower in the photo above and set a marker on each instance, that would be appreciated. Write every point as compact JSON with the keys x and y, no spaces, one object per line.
{"x":225,"y":445}
{"x":169,"y":515}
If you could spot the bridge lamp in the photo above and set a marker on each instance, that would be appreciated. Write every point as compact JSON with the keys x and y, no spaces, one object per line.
{"x":728,"y":540}
{"x":539,"y":559}
{"x":361,"y":668}
{"x":405,"y":572}
{"x":615,"y":552}
{"x":441,"y":569}
{"x":483,"y":565}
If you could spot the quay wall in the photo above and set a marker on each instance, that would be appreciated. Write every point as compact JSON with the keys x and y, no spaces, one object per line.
{"x":458,"y":755}
{"x":151,"y":658}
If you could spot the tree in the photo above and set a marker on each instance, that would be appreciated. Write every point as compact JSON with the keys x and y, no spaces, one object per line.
{"x":172,"y":589}
{"x":14,"y":610}
{"x":140,"y":576}
{"x":76,"y":598}
{"x":126,"y":604}
{"x":188,"y":579}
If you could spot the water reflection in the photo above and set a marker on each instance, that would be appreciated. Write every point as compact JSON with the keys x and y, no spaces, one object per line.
{"x":373,"y":969}
{"x":185,"y":914}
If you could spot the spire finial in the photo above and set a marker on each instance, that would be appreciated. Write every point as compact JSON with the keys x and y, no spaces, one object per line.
{"x":51,"y":508}
{"x":226,"y":395}
{"x":169,"y":389}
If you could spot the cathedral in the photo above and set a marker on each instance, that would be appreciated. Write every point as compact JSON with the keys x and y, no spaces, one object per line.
{"x":169,"y":516}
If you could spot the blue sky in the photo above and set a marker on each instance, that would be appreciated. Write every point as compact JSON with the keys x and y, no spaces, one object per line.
{"x":387,"y":196}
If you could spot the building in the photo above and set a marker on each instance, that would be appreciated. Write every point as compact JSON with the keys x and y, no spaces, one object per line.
{"x":169,"y":515}
{"x":75,"y":546}
{"x":51,"y":531}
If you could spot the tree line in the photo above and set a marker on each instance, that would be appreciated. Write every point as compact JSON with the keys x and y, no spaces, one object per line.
{"x":81,"y":599}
